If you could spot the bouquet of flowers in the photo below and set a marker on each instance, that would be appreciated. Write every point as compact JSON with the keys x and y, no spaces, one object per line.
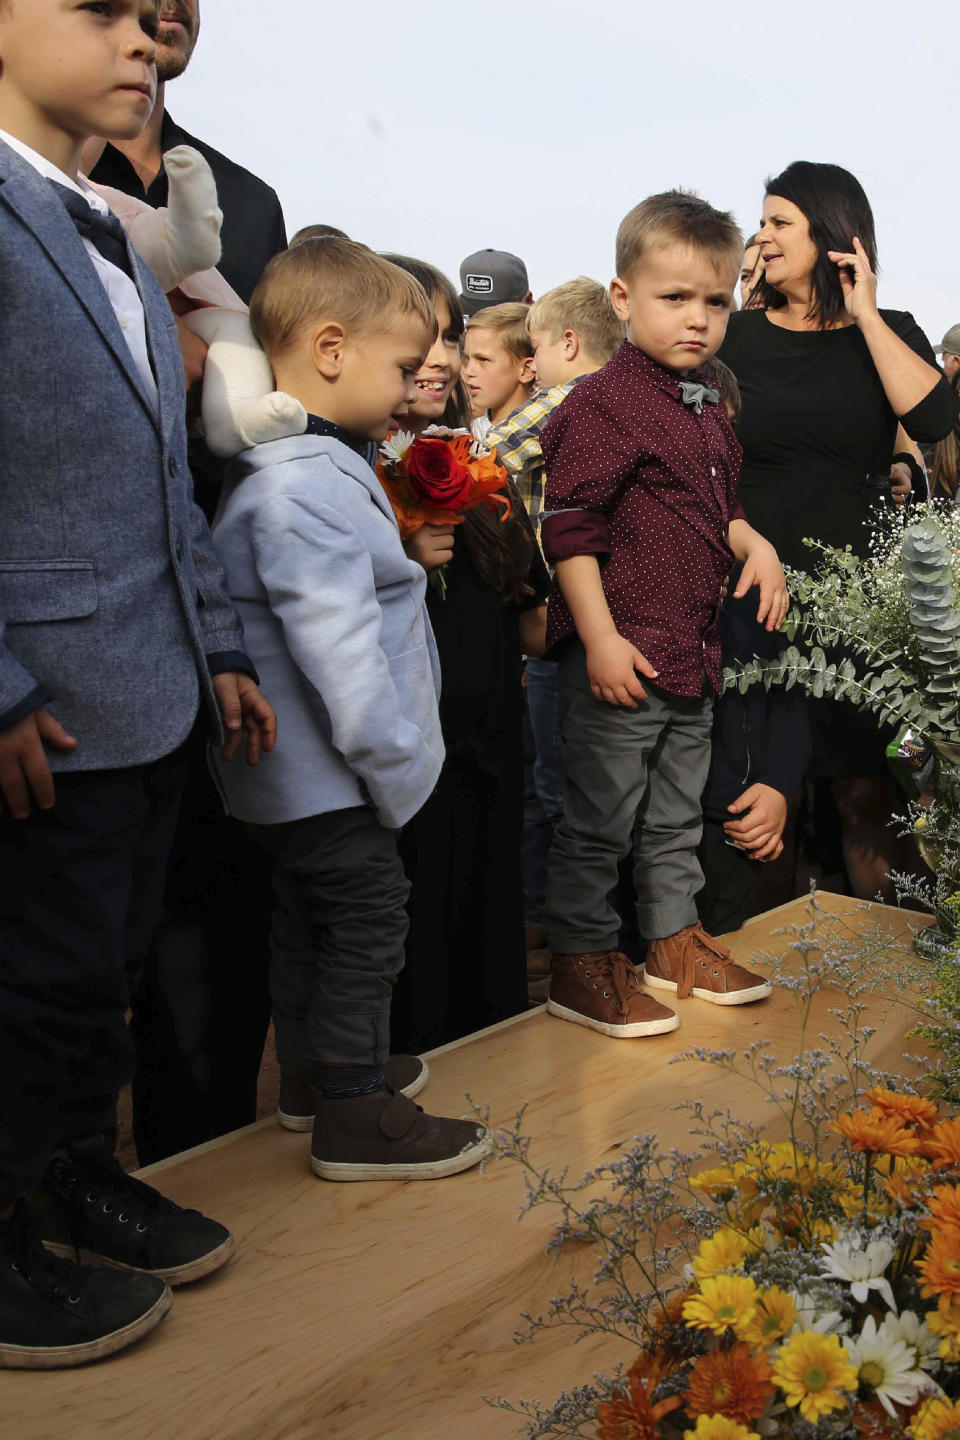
{"x":435,"y":478}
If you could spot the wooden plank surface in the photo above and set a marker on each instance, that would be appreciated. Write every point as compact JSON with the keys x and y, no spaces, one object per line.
{"x":387,"y":1311}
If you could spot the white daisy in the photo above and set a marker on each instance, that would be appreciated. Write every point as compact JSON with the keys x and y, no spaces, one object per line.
{"x":811,"y":1318}
{"x":861,"y":1266}
{"x":394,"y":448}
{"x":916,"y":1335}
{"x":887,"y":1364}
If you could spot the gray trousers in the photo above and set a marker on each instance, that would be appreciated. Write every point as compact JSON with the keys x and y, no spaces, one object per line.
{"x":630,"y":777}
{"x":337,"y":943}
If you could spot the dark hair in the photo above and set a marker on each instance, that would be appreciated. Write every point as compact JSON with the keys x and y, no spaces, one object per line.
{"x":945,"y":461}
{"x":500,"y":550}
{"x":836,"y":209}
{"x":726,"y":382}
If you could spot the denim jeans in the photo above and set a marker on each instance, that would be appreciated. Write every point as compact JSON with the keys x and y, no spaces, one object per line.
{"x":542,"y":782}
{"x":632,"y":777}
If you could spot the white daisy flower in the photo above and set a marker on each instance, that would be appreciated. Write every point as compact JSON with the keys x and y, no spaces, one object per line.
{"x":916,"y":1335}
{"x":861,"y":1266}
{"x":811,"y":1317}
{"x":887,"y":1364}
{"x":394,"y":448}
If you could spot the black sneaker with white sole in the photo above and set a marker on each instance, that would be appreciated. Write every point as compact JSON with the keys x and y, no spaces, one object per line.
{"x":385,"y":1136}
{"x":297,"y":1106}
{"x":90,"y":1210}
{"x":55,"y":1314}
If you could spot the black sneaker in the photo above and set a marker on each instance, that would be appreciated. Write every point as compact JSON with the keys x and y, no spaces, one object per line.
{"x":54,"y":1314}
{"x":90,"y":1210}
{"x":385,"y":1136}
{"x":407,"y":1074}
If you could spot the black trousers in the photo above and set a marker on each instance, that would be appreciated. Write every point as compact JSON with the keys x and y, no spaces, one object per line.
{"x":80,"y":892}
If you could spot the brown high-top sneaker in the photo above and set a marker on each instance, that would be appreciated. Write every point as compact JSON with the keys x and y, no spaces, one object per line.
{"x":692,"y":963}
{"x":603,"y":992}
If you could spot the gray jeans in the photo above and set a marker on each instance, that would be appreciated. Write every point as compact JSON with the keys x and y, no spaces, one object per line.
{"x":630,"y":777}
{"x":337,"y":944}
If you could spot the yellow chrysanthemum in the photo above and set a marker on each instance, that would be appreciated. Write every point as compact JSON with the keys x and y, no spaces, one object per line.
{"x":719,"y":1183}
{"x":815,"y":1374}
{"x":945,"y":1322}
{"x":904,"y":1185}
{"x":775,"y":1315}
{"x":723,"y":1302}
{"x":726,"y":1250}
{"x":781,"y":1161}
{"x":936,"y":1420}
{"x":718,"y":1427}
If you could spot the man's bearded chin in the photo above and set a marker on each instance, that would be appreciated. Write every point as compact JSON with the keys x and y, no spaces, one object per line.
{"x":171,"y":59}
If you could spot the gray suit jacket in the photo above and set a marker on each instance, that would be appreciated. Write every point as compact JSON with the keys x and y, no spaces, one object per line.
{"x":111,"y":594}
{"x":335,"y":622}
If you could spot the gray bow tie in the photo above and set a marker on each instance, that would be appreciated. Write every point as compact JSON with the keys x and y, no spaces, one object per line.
{"x":694,"y":394}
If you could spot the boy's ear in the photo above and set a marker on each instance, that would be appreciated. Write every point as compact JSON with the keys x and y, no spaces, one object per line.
{"x":619,"y":299}
{"x":528,"y":371}
{"x":572,"y":345}
{"x":326,"y":348}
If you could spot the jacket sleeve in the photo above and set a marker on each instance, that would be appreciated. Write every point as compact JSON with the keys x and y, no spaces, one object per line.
{"x":789,"y":748}
{"x":316,"y":569}
{"x":219,"y":622}
{"x":20,"y":693}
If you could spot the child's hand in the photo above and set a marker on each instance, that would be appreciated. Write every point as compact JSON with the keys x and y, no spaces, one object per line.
{"x":244,"y":708}
{"x":23,"y":762}
{"x":612,"y":665}
{"x":762,"y":567}
{"x":431,"y":545}
{"x":759,"y":831}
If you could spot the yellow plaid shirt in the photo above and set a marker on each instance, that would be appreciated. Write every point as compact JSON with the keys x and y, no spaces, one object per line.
{"x":517,"y":443}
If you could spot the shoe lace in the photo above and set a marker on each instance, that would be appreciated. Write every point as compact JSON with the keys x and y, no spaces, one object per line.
{"x":615,"y":969}
{"x":94,"y":1182}
{"x":694,"y":942}
{"x":20,"y":1242}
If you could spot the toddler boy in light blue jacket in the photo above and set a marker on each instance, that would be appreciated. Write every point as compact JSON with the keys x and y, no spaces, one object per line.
{"x":334,"y":618}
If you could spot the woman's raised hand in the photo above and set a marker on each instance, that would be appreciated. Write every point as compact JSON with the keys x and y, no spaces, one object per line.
{"x":857,"y":280}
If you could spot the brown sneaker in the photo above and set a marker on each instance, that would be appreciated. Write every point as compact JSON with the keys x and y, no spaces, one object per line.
{"x":386,"y":1137}
{"x":602,"y":991}
{"x":297,"y":1104}
{"x":692,"y":963}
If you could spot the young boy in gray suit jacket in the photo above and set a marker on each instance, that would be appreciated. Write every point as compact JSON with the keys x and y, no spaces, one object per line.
{"x":113,"y":625}
{"x":334,"y":617}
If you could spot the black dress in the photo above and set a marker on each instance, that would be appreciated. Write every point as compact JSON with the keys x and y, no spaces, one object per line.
{"x":466,"y":963}
{"x":815,"y":426}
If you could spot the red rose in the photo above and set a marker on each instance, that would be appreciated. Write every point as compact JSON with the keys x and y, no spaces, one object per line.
{"x":436,"y":475}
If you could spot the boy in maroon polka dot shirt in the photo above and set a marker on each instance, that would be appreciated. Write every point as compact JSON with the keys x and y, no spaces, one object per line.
{"x":642,"y":524}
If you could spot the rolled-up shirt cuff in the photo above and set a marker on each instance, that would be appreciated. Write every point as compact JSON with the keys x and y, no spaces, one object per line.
{"x":225,"y":660}
{"x":565,"y":533}
{"x":737,"y":511}
{"x":38,"y":696}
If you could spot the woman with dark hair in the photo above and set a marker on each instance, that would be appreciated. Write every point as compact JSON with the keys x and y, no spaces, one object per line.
{"x":466,"y":956}
{"x":945,"y":460}
{"x":824,"y":377}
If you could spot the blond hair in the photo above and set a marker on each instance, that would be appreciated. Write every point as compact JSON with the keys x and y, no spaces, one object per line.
{"x":583,"y":306}
{"x":332,"y":279}
{"x":678,"y":217}
{"x":509,"y":323}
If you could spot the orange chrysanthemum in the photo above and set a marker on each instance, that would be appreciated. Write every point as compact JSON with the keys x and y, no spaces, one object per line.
{"x":878,"y":1133}
{"x":942,"y":1145}
{"x":908,"y":1109}
{"x":906,"y":1184}
{"x":944,"y":1205}
{"x":632,"y":1415}
{"x":939,"y":1267}
{"x":730,"y":1382}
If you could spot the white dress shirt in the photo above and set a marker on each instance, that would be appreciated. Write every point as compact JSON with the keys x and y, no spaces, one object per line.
{"x":121,"y":291}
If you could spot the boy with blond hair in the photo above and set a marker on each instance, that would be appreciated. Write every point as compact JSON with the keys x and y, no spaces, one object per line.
{"x":642,"y":524}
{"x":497,"y":363}
{"x":334,"y":612}
{"x":573,"y":331}
{"x":114,"y":631}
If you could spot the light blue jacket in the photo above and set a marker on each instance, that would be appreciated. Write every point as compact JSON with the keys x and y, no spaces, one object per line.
{"x":111,"y":595}
{"x":335,"y":622}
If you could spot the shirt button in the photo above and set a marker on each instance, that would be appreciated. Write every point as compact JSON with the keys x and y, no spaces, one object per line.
{"x":124,"y":322}
{"x":713,"y":469}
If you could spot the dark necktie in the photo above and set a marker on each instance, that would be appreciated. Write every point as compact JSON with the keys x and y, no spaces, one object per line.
{"x":102,"y":230}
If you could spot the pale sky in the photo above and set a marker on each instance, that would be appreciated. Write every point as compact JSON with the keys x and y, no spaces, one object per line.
{"x":438,"y":129}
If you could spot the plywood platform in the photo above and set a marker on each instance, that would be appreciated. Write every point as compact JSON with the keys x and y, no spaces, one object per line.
{"x":387,"y":1311}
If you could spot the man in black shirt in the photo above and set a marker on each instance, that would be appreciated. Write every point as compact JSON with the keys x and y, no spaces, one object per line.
{"x":201,"y":1013}
{"x":253,"y":227}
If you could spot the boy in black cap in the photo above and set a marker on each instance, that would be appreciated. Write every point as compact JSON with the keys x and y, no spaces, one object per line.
{"x":493,"y":277}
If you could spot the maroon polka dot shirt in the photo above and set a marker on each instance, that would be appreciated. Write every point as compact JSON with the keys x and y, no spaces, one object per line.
{"x":640,"y":480}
